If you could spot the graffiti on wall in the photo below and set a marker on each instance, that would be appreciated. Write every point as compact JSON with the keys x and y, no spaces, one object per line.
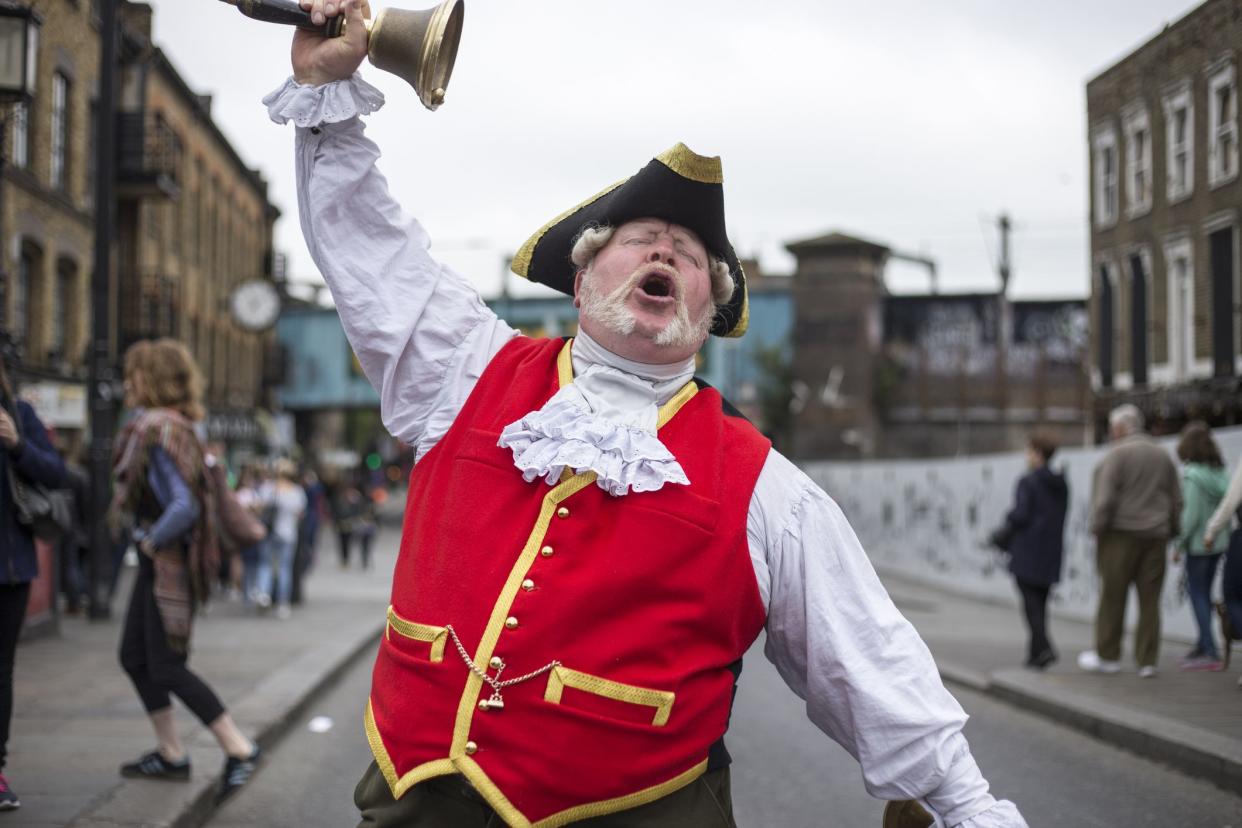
{"x":930,"y":520}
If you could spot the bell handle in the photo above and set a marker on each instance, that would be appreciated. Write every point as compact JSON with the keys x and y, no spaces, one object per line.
{"x":289,"y":13}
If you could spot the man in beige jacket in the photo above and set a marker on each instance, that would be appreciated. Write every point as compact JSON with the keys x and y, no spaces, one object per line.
{"x":1136,"y":501}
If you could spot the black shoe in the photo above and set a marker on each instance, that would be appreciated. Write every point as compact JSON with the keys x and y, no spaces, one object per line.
{"x":155,"y":766}
{"x":237,"y":772}
{"x":1042,"y":660}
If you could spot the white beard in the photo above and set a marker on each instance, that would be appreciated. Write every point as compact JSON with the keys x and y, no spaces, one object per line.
{"x":610,"y":311}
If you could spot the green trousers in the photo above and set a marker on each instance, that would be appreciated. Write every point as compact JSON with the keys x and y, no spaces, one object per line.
{"x":1123,"y":559}
{"x":451,"y":802}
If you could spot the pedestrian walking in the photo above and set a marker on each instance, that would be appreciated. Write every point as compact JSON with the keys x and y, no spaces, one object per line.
{"x":592,"y":538}
{"x":1204,"y":483}
{"x":1136,"y":506}
{"x":163,"y":495}
{"x":1034,"y":537}
{"x":252,"y":555}
{"x":1230,"y":609}
{"x":347,"y":508}
{"x":286,"y":503}
{"x":26,"y":456}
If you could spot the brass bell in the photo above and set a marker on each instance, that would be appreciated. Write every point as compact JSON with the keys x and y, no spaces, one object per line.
{"x":419,"y":47}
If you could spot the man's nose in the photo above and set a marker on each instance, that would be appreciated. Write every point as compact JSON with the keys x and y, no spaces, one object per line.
{"x":662,"y":251}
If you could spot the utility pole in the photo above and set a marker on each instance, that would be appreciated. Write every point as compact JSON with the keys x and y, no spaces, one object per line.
{"x":1003,"y":325}
{"x":100,"y":390}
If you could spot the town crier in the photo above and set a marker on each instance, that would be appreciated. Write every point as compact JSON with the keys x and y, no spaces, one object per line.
{"x":593,"y":537}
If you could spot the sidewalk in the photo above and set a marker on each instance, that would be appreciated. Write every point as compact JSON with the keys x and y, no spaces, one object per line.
{"x":76,"y":716}
{"x":1189,"y":720}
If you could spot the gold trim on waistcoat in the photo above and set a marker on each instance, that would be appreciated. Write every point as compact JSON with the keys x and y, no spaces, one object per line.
{"x":561,"y":677}
{"x":458,"y":761}
{"x":435,"y":636}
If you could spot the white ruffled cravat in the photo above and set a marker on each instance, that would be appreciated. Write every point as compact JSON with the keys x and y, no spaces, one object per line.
{"x":604,"y":421}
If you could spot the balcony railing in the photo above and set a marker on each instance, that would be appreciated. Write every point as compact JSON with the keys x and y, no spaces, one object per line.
{"x":149,"y":157}
{"x":150,"y":306}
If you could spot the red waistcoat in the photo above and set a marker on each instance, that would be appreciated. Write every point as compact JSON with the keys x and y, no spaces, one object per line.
{"x":644,"y":600}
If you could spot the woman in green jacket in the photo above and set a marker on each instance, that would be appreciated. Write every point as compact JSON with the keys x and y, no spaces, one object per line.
{"x":1204,"y":481}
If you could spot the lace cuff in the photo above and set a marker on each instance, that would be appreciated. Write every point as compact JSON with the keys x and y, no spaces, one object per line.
{"x":330,"y":103}
{"x":560,"y":435}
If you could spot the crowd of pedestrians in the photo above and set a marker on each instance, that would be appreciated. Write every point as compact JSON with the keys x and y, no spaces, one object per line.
{"x":192,"y":530}
{"x":1145,"y":512}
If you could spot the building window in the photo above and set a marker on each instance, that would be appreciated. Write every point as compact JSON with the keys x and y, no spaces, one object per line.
{"x":1105,"y":153}
{"x":1179,"y":270}
{"x":1105,"y":321}
{"x":21,"y":136}
{"x":64,"y":303}
{"x":26,"y":296}
{"x":1179,"y":128}
{"x":60,"y":131}
{"x":1222,"y":127}
{"x":1137,"y":130}
{"x":1140,"y":270}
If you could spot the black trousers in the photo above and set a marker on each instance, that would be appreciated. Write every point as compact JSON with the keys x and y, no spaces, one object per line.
{"x":155,"y":668}
{"x":13,"y":598}
{"x":1035,"y":607}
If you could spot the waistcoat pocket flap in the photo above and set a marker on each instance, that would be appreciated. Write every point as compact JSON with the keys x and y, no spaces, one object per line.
{"x":435,"y":636}
{"x":561,"y":677}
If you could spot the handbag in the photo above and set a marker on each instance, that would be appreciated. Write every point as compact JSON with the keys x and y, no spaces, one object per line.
{"x":239,"y":526}
{"x":48,"y":513}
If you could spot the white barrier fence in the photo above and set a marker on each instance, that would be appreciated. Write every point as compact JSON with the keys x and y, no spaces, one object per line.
{"x":930,"y":519}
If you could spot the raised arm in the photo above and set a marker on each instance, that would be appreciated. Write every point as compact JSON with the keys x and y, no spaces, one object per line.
{"x":419,"y":330}
{"x":868,"y":679}
{"x":1224,"y":512}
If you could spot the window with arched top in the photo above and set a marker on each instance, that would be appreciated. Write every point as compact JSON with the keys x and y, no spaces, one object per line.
{"x":27,"y":297}
{"x":66,"y":299}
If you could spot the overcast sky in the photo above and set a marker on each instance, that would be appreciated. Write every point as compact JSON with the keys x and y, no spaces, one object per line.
{"x":910,"y":123}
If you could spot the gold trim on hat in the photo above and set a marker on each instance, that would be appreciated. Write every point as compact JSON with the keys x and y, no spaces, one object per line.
{"x":689,"y":164}
{"x":743,"y":323}
{"x":521,"y":260}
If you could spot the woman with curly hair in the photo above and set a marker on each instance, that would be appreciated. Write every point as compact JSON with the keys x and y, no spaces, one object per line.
{"x":163,"y":496}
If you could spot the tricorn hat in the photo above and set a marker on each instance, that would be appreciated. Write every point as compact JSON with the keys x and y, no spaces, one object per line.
{"x":677,"y":186}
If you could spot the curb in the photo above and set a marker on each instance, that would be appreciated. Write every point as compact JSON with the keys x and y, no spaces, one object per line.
{"x":1193,"y":751}
{"x":267,"y":713}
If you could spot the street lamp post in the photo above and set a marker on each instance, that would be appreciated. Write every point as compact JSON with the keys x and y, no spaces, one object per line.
{"x":19,"y":52}
{"x":101,"y":383}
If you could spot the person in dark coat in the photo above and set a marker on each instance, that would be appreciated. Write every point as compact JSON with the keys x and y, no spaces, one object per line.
{"x":26,"y":452}
{"x":1033,"y":535}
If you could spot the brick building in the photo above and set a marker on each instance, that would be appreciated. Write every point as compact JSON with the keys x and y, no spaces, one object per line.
{"x":1165,"y":197}
{"x":878,"y":375}
{"x":192,"y":223}
{"x":48,"y":219}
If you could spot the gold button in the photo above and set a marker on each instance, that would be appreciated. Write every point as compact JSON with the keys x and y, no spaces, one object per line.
{"x":562,"y":512}
{"x":528,"y":585}
{"x":511,"y":623}
{"x":471,"y":748}
{"x":483,"y":704}
{"x":546,"y":551}
{"x":496,"y":663}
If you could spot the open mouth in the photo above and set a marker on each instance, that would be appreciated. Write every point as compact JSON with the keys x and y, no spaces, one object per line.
{"x":657,"y":284}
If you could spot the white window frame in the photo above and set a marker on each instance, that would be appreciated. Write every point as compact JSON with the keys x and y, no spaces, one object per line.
{"x":20,"y":119}
{"x":1106,"y":208}
{"x":1179,"y":310}
{"x":60,"y":131}
{"x":1108,"y":263}
{"x":1136,"y":121}
{"x":1222,"y":134}
{"x":1177,"y":100}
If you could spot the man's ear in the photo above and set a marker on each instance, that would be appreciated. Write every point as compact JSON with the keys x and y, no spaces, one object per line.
{"x":578,"y":287}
